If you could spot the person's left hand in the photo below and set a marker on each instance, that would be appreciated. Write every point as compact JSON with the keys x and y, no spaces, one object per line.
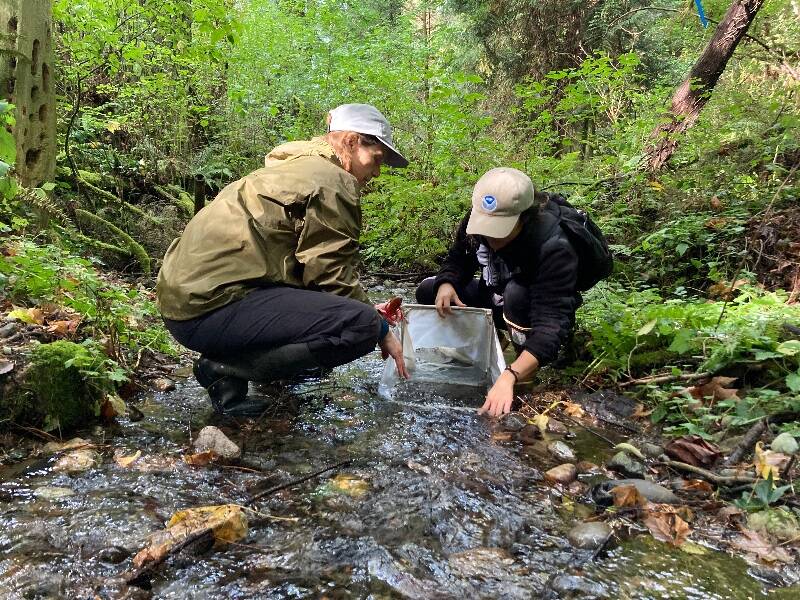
{"x":500,"y":397}
{"x":391,"y":346}
{"x":391,"y":310}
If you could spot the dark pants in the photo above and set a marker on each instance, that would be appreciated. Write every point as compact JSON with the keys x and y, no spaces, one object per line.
{"x":337,"y":330}
{"x":512,"y":312}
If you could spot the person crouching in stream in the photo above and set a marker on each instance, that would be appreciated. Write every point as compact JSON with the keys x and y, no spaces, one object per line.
{"x":263,"y":283}
{"x":529,"y":274}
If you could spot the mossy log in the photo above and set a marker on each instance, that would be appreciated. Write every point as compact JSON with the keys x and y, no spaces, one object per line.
{"x":183,"y":201}
{"x":135,"y":248}
{"x":108,"y":196}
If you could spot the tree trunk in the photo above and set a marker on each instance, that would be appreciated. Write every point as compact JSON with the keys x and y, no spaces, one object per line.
{"x":695,"y":91}
{"x":26,"y":80}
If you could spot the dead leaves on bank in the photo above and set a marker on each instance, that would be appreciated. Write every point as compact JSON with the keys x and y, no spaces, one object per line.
{"x":754,"y":544}
{"x":693,"y":450}
{"x":665,"y":522}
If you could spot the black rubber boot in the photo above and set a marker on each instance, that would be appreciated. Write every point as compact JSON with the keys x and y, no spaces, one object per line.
{"x":284,"y":363}
{"x":224,"y":390}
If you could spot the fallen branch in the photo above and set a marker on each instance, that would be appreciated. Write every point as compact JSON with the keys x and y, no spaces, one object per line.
{"x":747,"y":443}
{"x":665,"y":379}
{"x":710,"y":476}
{"x":295,"y":482}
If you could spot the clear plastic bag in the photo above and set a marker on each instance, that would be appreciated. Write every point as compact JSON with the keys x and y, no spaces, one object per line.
{"x":461,"y":349}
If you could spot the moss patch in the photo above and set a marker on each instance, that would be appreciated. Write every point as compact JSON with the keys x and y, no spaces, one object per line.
{"x":61,"y":393}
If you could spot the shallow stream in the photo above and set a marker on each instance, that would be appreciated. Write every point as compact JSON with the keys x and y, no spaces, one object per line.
{"x":433,"y":508}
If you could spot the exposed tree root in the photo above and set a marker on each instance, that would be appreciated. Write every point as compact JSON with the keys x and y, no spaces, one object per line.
{"x":135,"y":249}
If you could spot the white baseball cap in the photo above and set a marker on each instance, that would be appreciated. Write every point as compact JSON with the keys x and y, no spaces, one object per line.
{"x":499,"y":197}
{"x":366,"y":119}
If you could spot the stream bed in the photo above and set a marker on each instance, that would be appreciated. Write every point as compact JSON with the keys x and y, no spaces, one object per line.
{"x":432,"y":507}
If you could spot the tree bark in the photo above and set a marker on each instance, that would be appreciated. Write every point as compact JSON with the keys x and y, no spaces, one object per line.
{"x":26,"y":80}
{"x":690,"y":97}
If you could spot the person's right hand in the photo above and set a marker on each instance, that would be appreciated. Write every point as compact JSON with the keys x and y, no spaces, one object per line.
{"x":446,"y":295}
{"x":391,"y":346}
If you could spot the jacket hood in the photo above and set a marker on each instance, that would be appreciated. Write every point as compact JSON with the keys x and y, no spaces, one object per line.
{"x":291,"y":150}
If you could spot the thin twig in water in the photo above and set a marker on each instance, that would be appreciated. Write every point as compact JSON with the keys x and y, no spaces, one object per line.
{"x":712,"y":477}
{"x":295,"y":482}
{"x":590,"y":430}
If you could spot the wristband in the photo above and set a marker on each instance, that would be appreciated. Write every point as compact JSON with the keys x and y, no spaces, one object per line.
{"x":514,"y":373}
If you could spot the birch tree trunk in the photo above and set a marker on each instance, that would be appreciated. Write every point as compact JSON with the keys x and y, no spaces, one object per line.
{"x":690,"y":97}
{"x":26,"y":80}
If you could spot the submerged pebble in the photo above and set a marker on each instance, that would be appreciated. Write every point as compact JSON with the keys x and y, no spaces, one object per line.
{"x":624,"y":464}
{"x":514,"y":421}
{"x":561,"y":451}
{"x":47,"y":492}
{"x":589,"y":536}
{"x":563,"y":474}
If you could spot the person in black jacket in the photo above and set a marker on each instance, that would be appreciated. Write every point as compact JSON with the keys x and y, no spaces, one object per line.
{"x":528,"y":274}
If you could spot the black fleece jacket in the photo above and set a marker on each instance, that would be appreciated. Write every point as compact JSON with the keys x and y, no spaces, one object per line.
{"x":549,"y":274}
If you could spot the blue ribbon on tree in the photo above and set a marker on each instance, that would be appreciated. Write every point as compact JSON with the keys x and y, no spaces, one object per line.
{"x":701,"y":13}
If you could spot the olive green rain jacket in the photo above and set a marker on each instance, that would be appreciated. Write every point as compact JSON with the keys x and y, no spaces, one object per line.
{"x":294,"y":222}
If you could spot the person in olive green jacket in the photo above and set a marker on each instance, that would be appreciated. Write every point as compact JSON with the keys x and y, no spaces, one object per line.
{"x":263,"y":281}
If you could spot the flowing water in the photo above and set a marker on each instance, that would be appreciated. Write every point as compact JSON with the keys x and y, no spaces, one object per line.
{"x":432,"y":508}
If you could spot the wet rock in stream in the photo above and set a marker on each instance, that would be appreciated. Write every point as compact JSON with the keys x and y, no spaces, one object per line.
{"x":624,"y":464}
{"x":563,"y":474}
{"x":589,"y":536}
{"x":513,"y":421}
{"x":601,"y":493}
{"x":211,"y":438}
{"x":561,"y":451}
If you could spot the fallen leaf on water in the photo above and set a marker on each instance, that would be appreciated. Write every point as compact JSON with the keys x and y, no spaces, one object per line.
{"x":349,"y":484}
{"x":227,"y":523}
{"x":501,"y":436}
{"x":753,"y":543}
{"x":573,"y":410}
{"x":716,"y":389}
{"x":768,"y":462}
{"x":162,"y":384}
{"x":200,"y":459}
{"x":694,"y":450}
{"x":127,"y":461}
{"x":667,"y":527}
{"x":541,"y":422}
{"x":6,"y":366}
{"x":627,"y":496}
{"x":74,"y":443}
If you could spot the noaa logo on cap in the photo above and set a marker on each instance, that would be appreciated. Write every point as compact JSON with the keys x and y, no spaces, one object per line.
{"x":489,"y":203}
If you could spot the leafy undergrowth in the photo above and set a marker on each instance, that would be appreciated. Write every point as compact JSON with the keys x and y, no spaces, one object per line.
{"x":670,"y":349}
{"x":53,"y":296}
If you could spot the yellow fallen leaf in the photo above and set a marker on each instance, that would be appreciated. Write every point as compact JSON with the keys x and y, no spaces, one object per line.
{"x":27,"y":315}
{"x":350,"y":485}
{"x":541,"y":422}
{"x":227,"y":523}
{"x":768,"y":462}
{"x":573,"y":410}
{"x":127,"y":461}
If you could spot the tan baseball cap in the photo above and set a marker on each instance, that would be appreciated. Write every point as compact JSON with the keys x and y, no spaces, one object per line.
{"x":498,"y":199}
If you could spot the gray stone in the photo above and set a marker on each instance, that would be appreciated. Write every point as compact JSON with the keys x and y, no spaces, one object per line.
{"x":626,"y":465}
{"x":557,"y":427}
{"x":575,"y":586}
{"x":211,"y":438}
{"x":561,"y":451}
{"x":113,"y":554}
{"x":651,"y":491}
{"x":784,"y":443}
{"x":563,"y":474}
{"x":513,"y":421}
{"x":589,"y":536}
{"x":651,"y":450}
{"x":8,"y":329}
